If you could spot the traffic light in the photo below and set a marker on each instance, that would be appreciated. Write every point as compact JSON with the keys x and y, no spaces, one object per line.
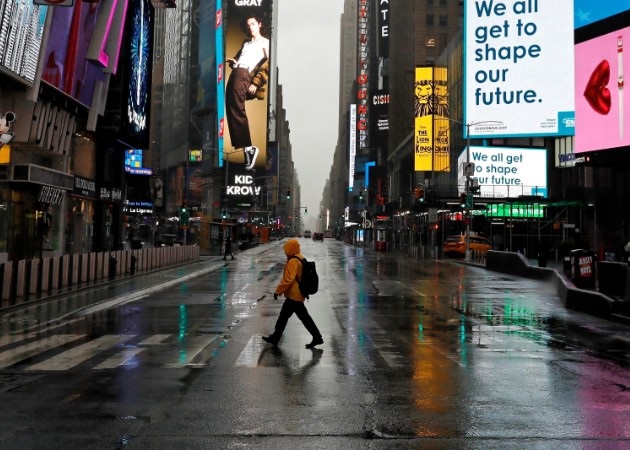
{"x":288,"y":193}
{"x":223,"y":214}
{"x":361,"y":195}
{"x":420,"y":195}
{"x":184,"y":215}
{"x":462,"y":199}
{"x":305,"y":211}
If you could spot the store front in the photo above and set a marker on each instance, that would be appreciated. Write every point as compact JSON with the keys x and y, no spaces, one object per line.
{"x":79,"y":226}
{"x":31,"y":219}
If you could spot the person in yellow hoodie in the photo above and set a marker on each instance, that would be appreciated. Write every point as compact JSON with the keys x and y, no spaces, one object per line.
{"x":294,"y":300}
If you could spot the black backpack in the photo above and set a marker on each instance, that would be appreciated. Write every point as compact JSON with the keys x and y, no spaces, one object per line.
{"x":309,"y":283}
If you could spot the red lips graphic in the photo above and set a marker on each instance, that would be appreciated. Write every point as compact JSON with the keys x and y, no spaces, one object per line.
{"x":596,"y":93}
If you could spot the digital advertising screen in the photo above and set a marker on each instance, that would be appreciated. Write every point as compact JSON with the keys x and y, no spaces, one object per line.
{"x":431,"y":127}
{"x":602,"y":105}
{"x":247,"y":53}
{"x":220,"y":79}
{"x":207,"y":57}
{"x":590,"y":11}
{"x":133,"y":158}
{"x":507,"y":171}
{"x":22,"y":26}
{"x":66,"y":65}
{"x":134,"y":164}
{"x":140,"y":63}
{"x":518,"y":68}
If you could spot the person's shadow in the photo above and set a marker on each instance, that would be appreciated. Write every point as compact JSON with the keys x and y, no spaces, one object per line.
{"x":277,"y":357}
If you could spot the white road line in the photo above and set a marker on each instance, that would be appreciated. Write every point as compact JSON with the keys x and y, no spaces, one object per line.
{"x":14,"y":338}
{"x":125,"y":357}
{"x":189,"y":349}
{"x":77,"y":355}
{"x":251,"y":353}
{"x":154,"y":340}
{"x":392,"y":357}
{"x":119,"y":359}
{"x":10,"y":357}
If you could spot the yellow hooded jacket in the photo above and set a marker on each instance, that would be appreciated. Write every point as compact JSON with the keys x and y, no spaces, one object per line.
{"x":292,"y":272}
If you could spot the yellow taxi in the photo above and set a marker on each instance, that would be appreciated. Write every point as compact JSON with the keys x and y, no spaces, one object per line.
{"x":456,"y":245}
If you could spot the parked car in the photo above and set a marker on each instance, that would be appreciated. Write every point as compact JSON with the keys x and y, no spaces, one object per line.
{"x":318,"y":236}
{"x":307,"y":234}
{"x":456,"y":245}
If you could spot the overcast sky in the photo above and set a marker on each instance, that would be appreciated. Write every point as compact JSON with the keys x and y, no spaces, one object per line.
{"x":308,"y":61}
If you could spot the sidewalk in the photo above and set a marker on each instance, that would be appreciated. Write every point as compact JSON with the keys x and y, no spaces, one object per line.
{"x":36,"y":314}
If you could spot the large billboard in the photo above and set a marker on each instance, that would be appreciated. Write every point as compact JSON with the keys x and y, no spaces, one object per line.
{"x":140,"y":39}
{"x":246,"y":68}
{"x":352,"y":145}
{"x":83,"y":48}
{"x":220,"y":76}
{"x":519,"y":68}
{"x":21,"y":29}
{"x":363,"y":70}
{"x":589,"y":11}
{"x":599,"y":92}
{"x":507,"y":171}
{"x":431,"y":123}
{"x":379,"y":113}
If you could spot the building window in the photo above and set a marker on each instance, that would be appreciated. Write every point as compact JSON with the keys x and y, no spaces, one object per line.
{"x":443,"y":2}
{"x":443,"y":20}
{"x":430,"y":20}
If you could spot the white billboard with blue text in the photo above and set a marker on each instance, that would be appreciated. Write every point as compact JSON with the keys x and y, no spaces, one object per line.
{"x":507,"y":171}
{"x":519,"y":68}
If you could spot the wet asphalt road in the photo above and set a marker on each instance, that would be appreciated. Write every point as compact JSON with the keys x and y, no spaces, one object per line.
{"x":417,"y":354}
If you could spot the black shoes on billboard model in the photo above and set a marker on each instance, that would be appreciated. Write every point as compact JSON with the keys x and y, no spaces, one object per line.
{"x":251,"y":153}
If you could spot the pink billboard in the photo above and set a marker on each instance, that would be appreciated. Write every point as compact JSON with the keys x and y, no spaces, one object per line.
{"x":600,"y":100}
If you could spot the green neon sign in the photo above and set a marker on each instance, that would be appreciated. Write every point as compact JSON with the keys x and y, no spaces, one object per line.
{"x":516,"y":210}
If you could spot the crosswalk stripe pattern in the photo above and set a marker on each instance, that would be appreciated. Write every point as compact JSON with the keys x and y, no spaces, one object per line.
{"x":190,"y":350}
{"x":13,"y":356}
{"x":128,"y":355}
{"x":176,"y":353}
{"x":82,"y":353}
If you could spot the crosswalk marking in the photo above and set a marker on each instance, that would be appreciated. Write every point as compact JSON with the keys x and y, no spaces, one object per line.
{"x":154,"y":340}
{"x":251,"y":353}
{"x":15,"y":355}
{"x":126,"y":356}
{"x":119,"y":359}
{"x":15,"y":338}
{"x":175,"y":353}
{"x":77,"y":355}
{"x":388,"y":352}
{"x":189,"y":349}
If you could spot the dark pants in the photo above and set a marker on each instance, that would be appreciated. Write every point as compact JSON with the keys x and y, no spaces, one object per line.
{"x":235,"y":97}
{"x":299,"y":308}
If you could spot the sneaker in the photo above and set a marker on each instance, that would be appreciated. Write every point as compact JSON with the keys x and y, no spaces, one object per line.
{"x":270,"y":340}
{"x":314,"y":342}
{"x":251,"y":153}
